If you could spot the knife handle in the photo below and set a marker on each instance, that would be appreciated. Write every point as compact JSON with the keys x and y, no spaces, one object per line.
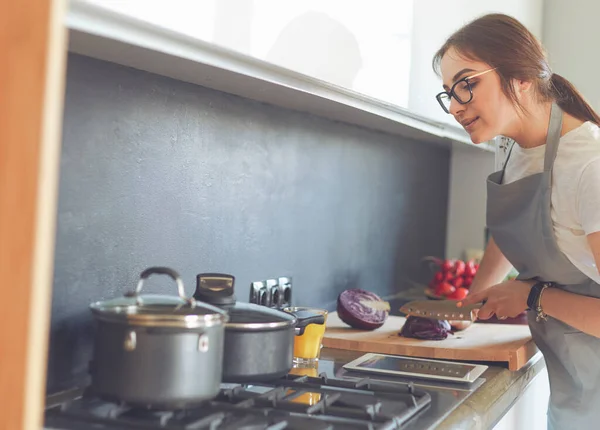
{"x":474,"y":305}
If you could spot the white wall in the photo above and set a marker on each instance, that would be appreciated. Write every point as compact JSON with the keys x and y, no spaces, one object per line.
{"x":469,"y":169}
{"x":571,"y":35}
{"x":382,"y":48}
{"x":363,"y":45}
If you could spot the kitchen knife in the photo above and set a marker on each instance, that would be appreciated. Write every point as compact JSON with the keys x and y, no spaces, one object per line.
{"x":441,"y":310}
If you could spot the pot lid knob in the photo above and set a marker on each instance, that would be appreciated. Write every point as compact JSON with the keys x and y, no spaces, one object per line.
{"x":215,"y":288}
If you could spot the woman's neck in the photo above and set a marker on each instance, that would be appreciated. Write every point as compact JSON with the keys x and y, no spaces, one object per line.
{"x":532,"y":128}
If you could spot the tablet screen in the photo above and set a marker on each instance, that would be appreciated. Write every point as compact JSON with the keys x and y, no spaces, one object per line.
{"x":419,"y":366}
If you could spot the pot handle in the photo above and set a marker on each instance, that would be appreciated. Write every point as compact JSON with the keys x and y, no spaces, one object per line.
{"x":162,"y":271}
{"x":306,"y":318}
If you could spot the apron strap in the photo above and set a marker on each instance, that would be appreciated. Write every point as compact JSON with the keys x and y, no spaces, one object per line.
{"x":553,"y":137}
{"x":506,"y":162}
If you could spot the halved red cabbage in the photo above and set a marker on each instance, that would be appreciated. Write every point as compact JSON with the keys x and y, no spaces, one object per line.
{"x":356,"y":315}
{"x":425,"y":328}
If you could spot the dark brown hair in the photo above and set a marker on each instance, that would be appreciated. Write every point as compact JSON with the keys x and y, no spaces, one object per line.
{"x":503,"y":42}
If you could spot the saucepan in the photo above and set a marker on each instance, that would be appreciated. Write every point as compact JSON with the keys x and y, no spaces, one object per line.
{"x":259,"y":341}
{"x":157,"y":351}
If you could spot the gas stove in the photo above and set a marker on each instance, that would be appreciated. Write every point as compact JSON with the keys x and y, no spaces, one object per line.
{"x":328,"y":398}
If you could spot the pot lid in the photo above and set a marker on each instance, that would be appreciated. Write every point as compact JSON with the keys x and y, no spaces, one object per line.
{"x":248,"y":316}
{"x":159,"y":310}
{"x":218,"y":289}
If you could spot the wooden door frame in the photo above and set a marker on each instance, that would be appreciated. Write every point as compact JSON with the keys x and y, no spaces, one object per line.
{"x":33,"y":47}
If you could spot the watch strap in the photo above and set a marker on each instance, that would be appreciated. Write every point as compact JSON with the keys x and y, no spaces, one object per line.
{"x":534,"y":295}
{"x":534,"y":300}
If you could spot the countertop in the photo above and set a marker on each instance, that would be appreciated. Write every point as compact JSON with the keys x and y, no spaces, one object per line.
{"x":487,"y":404}
{"x":488,"y":401}
{"x":482,"y":409}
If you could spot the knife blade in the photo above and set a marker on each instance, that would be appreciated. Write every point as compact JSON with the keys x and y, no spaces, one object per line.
{"x":441,"y":310}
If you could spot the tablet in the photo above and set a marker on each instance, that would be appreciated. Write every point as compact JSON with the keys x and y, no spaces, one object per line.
{"x":411,"y":367}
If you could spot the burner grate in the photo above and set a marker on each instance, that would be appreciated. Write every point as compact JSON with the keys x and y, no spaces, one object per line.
{"x":294,"y":402}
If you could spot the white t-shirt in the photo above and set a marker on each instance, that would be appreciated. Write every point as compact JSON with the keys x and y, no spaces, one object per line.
{"x":575,"y":197}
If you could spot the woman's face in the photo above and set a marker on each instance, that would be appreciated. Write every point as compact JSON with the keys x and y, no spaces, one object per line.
{"x":490,"y":113}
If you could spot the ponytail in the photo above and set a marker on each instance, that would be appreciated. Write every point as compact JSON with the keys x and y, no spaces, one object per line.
{"x":571,"y":101}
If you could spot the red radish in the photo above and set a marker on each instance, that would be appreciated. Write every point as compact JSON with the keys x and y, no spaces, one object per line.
{"x":459,"y":267}
{"x":470,"y":271}
{"x":447,"y":265}
{"x":448,"y":276}
{"x":471,"y":268}
{"x":458,"y":282}
{"x":439,"y":277}
{"x":446,"y":289}
{"x":467,"y":281}
{"x":459,"y":294}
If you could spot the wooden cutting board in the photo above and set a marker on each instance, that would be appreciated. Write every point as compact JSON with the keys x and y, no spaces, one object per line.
{"x":508,"y":343}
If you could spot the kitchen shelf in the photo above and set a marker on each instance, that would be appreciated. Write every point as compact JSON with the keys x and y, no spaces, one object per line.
{"x":107,"y":35}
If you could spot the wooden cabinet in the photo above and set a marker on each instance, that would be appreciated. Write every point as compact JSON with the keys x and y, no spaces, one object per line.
{"x":33,"y":48}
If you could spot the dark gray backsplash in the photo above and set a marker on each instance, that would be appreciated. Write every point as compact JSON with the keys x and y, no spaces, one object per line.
{"x":160,"y":172}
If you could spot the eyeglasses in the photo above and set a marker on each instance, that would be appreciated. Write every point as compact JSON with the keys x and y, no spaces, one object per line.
{"x":462,"y":91}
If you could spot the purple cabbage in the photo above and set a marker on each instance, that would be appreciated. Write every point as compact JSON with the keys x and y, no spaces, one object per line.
{"x":355,"y":314}
{"x":425,"y":328}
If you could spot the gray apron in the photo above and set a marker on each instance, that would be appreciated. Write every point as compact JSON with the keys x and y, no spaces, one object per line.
{"x":518,"y":217}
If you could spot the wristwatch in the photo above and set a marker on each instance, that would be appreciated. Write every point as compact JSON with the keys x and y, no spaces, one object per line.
{"x":534,"y":300}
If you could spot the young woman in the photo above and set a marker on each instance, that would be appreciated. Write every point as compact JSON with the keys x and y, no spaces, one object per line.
{"x":543,"y":207}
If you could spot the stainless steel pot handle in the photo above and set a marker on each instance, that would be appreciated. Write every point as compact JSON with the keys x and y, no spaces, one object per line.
{"x":162,"y":271}
{"x":306,"y":318}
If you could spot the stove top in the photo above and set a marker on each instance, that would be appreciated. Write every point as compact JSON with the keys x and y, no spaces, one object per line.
{"x":328,"y":400}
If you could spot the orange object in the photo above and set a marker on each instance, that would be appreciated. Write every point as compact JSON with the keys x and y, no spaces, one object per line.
{"x":307,"y":346}
{"x":311,"y":371}
{"x":309,"y":398}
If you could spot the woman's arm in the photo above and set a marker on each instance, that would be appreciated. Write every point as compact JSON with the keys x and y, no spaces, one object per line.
{"x":493,"y":268}
{"x":510,"y":298}
{"x":578,"y":311}
{"x":581,"y":312}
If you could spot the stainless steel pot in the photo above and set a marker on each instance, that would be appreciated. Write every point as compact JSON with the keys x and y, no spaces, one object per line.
{"x":259,"y":341}
{"x":157,"y":351}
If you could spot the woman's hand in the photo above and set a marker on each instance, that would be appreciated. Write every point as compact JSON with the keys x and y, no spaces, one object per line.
{"x":507,"y":299}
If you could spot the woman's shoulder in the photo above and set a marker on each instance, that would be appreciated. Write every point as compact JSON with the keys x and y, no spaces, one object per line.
{"x":582,"y":141}
{"x":586,"y":134}
{"x":579,"y":147}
